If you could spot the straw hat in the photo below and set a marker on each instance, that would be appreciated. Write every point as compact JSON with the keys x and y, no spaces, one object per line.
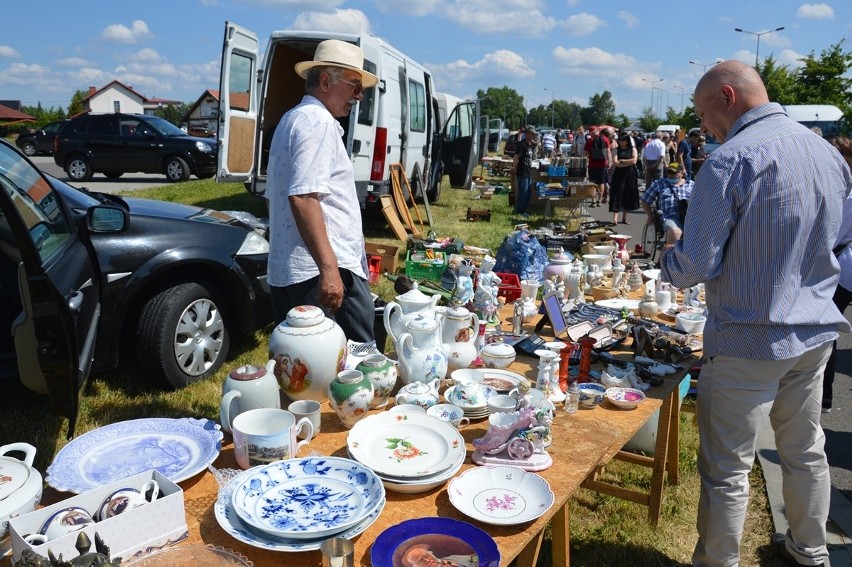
{"x":336,"y":53}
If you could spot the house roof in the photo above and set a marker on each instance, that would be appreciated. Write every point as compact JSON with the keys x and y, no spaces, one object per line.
{"x":8,"y":115}
{"x":208,"y":93}
{"x":95,"y":92}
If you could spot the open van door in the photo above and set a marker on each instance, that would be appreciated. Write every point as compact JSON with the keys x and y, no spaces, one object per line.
{"x":238,"y":105}
{"x":57,"y":279}
{"x":460,"y":144}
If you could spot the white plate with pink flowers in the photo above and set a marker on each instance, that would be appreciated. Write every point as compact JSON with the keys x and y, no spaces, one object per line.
{"x":405,"y":445}
{"x":503,"y":496}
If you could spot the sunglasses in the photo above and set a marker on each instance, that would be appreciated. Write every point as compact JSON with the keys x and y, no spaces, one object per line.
{"x":357,"y":88}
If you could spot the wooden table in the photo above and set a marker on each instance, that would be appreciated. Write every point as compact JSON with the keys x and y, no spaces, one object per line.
{"x":583,"y":443}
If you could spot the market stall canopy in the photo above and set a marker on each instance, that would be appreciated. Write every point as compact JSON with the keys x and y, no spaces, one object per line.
{"x":12,"y":116}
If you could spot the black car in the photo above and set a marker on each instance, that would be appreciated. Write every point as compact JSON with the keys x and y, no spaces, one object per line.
{"x":117,"y":143}
{"x":102,"y":274}
{"x":39,"y":141}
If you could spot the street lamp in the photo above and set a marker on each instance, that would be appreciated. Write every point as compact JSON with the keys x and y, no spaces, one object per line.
{"x":758,"y":34}
{"x":681,"y":96}
{"x":552,"y":98}
{"x":652,"y":90}
{"x":704,"y":65}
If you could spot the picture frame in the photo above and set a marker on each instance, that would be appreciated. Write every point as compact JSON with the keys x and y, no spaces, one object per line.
{"x":553,"y":307}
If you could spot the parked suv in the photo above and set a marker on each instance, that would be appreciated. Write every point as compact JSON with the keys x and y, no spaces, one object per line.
{"x":85,"y":276}
{"x":114,"y":144}
{"x":39,"y":141}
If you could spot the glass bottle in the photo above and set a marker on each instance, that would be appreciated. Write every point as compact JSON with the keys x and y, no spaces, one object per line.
{"x":572,"y":398}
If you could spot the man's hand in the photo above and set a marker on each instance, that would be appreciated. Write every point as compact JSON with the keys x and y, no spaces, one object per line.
{"x":331,"y":290}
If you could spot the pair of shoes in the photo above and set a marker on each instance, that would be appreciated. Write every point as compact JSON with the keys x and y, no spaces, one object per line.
{"x":783,"y":556}
{"x":625,"y":222}
{"x":826,"y":410}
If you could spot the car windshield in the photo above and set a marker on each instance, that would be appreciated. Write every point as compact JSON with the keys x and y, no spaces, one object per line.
{"x":164,"y":127}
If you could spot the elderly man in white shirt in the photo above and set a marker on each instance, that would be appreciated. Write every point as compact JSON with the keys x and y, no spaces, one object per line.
{"x":316,"y":252}
{"x":652,"y":159}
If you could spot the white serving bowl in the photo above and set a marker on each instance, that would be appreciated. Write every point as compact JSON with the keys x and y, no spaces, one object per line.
{"x":605,"y":249}
{"x":599,"y":259}
{"x":690,"y":322}
{"x":625,"y":398}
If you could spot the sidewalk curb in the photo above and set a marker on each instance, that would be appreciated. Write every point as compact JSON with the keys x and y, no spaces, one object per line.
{"x":840,"y":510}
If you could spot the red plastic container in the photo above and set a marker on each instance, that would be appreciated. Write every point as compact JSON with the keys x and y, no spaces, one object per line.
{"x":510,"y":286}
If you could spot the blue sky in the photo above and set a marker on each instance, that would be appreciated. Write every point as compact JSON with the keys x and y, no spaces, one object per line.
{"x":567,"y":49}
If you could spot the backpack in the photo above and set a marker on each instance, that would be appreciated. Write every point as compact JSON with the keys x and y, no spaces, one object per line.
{"x":598,"y":148}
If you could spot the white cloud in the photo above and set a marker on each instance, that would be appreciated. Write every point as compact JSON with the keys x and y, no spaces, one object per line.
{"x":501,"y":66}
{"x":815,"y":12}
{"x":88,"y":75}
{"x":629,"y":19}
{"x":6,"y":51}
{"x":409,"y":7}
{"x":36,"y":77}
{"x":501,"y":16}
{"x":74,"y":62}
{"x":581,"y":24}
{"x":319,"y":5}
{"x":790,"y":57}
{"x":120,"y":33}
{"x":346,"y":21}
{"x":147,"y":55}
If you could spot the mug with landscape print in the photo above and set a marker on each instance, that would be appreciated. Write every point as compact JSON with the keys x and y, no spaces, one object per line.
{"x":266,"y":435}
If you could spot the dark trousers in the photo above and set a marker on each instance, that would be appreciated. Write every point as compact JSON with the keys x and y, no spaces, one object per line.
{"x":842,"y":299}
{"x":355,"y":316}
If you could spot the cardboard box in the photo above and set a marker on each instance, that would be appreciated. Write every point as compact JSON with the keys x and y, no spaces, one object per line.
{"x":151,"y":526}
{"x":582,"y":189}
{"x":388,"y":252}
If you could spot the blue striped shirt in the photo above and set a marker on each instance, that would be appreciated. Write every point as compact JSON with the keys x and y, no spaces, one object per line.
{"x":667,"y":196}
{"x":762,"y":220}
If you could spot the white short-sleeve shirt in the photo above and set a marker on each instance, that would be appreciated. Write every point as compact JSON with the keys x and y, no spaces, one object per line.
{"x":307,"y":155}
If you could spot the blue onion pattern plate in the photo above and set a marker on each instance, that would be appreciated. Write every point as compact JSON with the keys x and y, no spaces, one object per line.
{"x":307,"y":498}
{"x":230,"y":521}
{"x":177,"y":448}
{"x":434,"y":541}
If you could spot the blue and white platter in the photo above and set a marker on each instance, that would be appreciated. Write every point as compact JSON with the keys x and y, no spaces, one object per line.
{"x":230,"y":521}
{"x":177,"y":448}
{"x":434,"y":541}
{"x":307,"y":498}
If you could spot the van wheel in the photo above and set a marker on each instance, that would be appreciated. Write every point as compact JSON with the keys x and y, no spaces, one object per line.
{"x":177,"y":169}
{"x":434,"y":194}
{"x":181,"y":335}
{"x":79,"y":169}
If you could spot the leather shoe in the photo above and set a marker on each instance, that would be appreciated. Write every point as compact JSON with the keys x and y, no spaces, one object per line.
{"x":783,"y":556}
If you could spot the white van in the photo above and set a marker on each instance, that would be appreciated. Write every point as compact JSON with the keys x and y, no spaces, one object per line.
{"x":396,"y":122}
{"x":826,"y":117}
{"x":670,"y":129}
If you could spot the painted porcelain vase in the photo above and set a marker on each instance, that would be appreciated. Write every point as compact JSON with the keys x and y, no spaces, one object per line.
{"x":560,"y":265}
{"x":407,"y":306}
{"x":382,"y":373}
{"x":421,"y":354}
{"x":458,"y":336}
{"x":350,"y":395}
{"x":309,"y":349}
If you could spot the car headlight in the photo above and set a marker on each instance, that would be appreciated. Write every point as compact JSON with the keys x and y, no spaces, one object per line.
{"x":203,"y":147}
{"x":253,"y":244}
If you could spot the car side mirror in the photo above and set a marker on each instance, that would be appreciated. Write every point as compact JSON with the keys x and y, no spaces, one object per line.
{"x":103,"y":219}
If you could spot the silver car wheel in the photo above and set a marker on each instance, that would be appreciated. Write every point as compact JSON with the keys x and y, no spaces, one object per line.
{"x":198,"y":337}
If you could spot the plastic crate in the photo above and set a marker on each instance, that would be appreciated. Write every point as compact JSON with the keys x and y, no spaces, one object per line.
{"x":510,"y":286}
{"x":425,"y":269}
{"x":454,"y":246}
{"x":556,"y":170}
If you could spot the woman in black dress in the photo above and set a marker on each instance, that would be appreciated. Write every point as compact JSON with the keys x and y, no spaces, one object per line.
{"x":624,"y":185}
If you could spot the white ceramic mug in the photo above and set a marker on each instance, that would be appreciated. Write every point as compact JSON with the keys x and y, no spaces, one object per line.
{"x":502,"y":403}
{"x":266,"y":435}
{"x":65,"y":521}
{"x":309,"y":409}
{"x":451,"y":413}
{"x":127,"y":498}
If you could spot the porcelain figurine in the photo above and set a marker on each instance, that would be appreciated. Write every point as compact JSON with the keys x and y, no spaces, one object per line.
{"x":547,"y":380}
{"x":634,"y":280}
{"x":309,"y":349}
{"x":648,"y":307}
{"x":573,"y":287}
{"x":382,"y":373}
{"x":421,"y":355}
{"x":406,"y":307}
{"x":485,"y":296}
{"x":463,"y":291}
{"x":529,"y":291}
{"x":458,"y":336}
{"x":350,"y":395}
{"x":617,"y":272}
{"x":423,"y":394}
{"x":248,"y":387}
{"x":518,"y":436}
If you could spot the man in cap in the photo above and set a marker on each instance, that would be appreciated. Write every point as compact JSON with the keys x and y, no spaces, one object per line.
{"x":316,"y":252}
{"x":667,"y":193}
{"x":525,"y":153}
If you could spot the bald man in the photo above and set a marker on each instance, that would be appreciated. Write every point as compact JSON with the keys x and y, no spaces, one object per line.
{"x":762,"y":221}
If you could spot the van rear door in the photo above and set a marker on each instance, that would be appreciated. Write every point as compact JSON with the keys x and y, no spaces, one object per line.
{"x":460,"y":145}
{"x":238,"y":105}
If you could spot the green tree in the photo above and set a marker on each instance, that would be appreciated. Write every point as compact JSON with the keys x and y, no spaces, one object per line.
{"x":77,"y":106}
{"x":174,"y":113}
{"x":567,"y":114}
{"x":648,"y":120}
{"x":781,"y":84}
{"x":503,"y":102}
{"x":622,"y":121}
{"x":601,"y":109}
{"x":825,"y":80}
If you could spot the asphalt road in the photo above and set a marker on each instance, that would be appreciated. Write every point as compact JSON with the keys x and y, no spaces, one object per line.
{"x":127,"y":182}
{"x":837,"y":424}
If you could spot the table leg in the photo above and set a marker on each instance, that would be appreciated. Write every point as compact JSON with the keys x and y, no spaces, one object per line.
{"x":658,"y":476}
{"x":529,"y":556}
{"x":672,"y":467}
{"x":560,"y":536}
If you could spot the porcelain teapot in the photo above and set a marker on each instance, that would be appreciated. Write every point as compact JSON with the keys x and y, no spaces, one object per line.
{"x":421,"y":355}
{"x":458,"y":336}
{"x":406,"y":307}
{"x":423,"y":394}
{"x":248,"y":387}
{"x":560,"y":265}
{"x":20,"y":490}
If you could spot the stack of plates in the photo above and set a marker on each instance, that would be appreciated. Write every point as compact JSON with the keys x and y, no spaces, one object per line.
{"x":409,"y":452}
{"x":474,"y":406}
{"x":296,"y":504}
